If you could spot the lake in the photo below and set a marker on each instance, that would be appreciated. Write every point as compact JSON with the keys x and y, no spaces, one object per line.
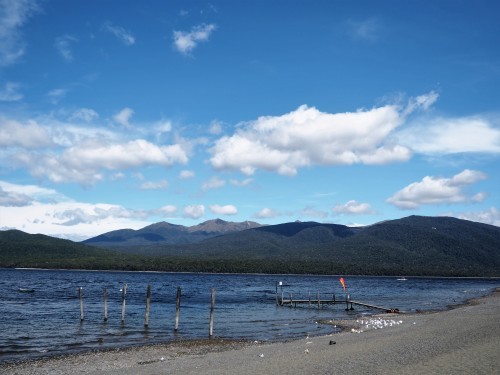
{"x":40,"y":309}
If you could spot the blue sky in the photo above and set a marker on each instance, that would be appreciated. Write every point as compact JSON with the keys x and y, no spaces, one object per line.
{"x":118,"y":114}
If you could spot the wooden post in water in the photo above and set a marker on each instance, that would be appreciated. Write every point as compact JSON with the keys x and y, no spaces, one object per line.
{"x":319,"y":303}
{"x":105,"y":296}
{"x":148,"y":301}
{"x":309,"y":298}
{"x":347,"y":298}
{"x":276,"y":293}
{"x":124,"y":294}
{"x":212,"y":303}
{"x":177,"y":309}
{"x":81,"y":303}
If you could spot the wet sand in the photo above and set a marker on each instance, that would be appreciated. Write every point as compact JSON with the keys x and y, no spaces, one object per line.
{"x":463,"y":340}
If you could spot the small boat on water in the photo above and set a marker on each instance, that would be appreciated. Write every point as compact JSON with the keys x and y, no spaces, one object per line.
{"x":402,"y":279}
{"x":26,"y":290}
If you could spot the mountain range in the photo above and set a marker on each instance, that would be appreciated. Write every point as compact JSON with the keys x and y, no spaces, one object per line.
{"x":166,"y":233}
{"x":415,"y":245}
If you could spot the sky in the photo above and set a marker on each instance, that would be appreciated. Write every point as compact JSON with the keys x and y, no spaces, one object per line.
{"x":119,"y":114}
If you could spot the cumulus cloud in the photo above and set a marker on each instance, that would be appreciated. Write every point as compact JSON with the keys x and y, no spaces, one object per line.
{"x":311,"y":212}
{"x":185,"y":42}
{"x":123,"y":35}
{"x":168,"y":210}
{"x":10,"y":92}
{"x":13,"y":16}
{"x":451,"y":136}
{"x":436,"y":190}
{"x":154,"y":185}
{"x":244,"y":182}
{"x":194,"y":211}
{"x":185,"y":174}
{"x":82,"y":163}
{"x":353,"y":207}
{"x":14,"y":199}
{"x":266,"y":213}
{"x":26,"y":135}
{"x":214,"y":183}
{"x":63,"y":46}
{"x":123,"y":117}
{"x":223,"y":210}
{"x":215,"y":128}
{"x":490,"y":216}
{"x":85,"y":115}
{"x":306,"y":137}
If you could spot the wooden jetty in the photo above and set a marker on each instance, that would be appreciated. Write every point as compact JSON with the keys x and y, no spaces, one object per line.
{"x":347,"y":301}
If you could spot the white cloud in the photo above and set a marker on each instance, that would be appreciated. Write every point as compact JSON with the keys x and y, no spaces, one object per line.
{"x":56,"y":95}
{"x":14,"y":199}
{"x":10,"y":93}
{"x":436,"y":190}
{"x":311,"y":212}
{"x":215,"y":128}
{"x":39,"y":210}
{"x":123,"y":117}
{"x":82,"y":163}
{"x":353,"y":207}
{"x":28,"y":135}
{"x":185,"y":42}
{"x":308,"y":137}
{"x":224,"y":210}
{"x":194,"y":211}
{"x":367,"y":29}
{"x":451,"y":136}
{"x":13,"y":16}
{"x":490,"y":216}
{"x":214,"y":183}
{"x":244,"y":182}
{"x":85,"y":115}
{"x":267,"y":213}
{"x":154,"y":185}
{"x":168,"y":210}
{"x":63,"y":46}
{"x":123,"y":35}
{"x":479,"y":197}
{"x":185,"y":174}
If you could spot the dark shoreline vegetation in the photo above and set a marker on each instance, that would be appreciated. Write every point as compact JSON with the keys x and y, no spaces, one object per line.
{"x":412,"y":246}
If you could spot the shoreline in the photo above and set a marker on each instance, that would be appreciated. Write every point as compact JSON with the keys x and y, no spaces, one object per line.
{"x":437,"y":335}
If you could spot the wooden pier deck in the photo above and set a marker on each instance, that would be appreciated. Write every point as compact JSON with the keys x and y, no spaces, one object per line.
{"x":347,"y":302}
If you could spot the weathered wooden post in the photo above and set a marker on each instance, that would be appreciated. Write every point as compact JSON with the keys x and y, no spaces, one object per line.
{"x":334,"y":298}
{"x":148,"y":301}
{"x":347,"y":298}
{"x":105,"y":296}
{"x":212,"y":303}
{"x":276,"y":293}
{"x":309,"y":298}
{"x":177,"y":309}
{"x":124,"y":294}
{"x":81,"y":303}
{"x":319,"y":303}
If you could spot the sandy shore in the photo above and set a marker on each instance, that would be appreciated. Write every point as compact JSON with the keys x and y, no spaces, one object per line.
{"x":465,"y":340}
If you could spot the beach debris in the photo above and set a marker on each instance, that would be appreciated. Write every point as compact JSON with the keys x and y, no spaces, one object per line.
{"x":261,"y":355}
{"x":354,"y":330}
{"x":309,"y":342}
{"x":306,"y":351}
{"x":162,"y":359}
{"x":378,"y":323}
{"x":332,"y":342}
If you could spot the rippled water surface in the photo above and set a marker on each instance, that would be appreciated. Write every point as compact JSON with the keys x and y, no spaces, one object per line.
{"x":40,"y":309}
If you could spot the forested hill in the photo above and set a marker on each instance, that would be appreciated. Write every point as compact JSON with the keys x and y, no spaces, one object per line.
{"x":437,"y":246}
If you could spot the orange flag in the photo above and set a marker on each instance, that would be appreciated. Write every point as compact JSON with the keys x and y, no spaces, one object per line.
{"x":342,"y":281}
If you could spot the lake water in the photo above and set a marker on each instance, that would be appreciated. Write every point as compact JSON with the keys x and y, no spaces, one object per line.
{"x":46,"y":320}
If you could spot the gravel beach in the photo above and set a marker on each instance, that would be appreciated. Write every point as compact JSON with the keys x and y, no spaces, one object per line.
{"x":463,"y":340}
